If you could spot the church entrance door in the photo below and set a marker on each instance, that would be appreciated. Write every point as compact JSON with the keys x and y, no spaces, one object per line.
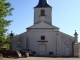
{"x":42,"y":49}
{"x":66,"y":51}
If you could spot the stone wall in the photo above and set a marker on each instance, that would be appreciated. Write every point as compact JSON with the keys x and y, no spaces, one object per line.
{"x":76,"y":50}
{"x":79,"y":50}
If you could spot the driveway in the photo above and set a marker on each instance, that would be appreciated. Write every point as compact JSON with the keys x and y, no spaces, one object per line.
{"x":40,"y":58}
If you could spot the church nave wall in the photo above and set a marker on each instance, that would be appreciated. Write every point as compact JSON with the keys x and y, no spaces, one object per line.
{"x":67,"y":44}
{"x":35,"y":37}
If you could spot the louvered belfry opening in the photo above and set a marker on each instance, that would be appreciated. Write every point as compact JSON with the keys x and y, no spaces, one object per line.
{"x":42,"y":12}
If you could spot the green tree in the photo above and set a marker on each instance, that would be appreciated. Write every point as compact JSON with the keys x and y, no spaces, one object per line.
{"x":5,"y":10}
{"x":7,"y":42}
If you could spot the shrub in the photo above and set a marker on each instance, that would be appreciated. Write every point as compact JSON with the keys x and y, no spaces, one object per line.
{"x":50,"y":53}
{"x":34,"y":52}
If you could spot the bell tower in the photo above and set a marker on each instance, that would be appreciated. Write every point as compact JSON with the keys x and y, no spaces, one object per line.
{"x":43,"y":12}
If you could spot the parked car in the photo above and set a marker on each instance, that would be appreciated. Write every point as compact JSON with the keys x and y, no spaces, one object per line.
{"x":23,"y":53}
{"x":28,"y":51}
{"x":8,"y":53}
{"x":1,"y":56}
{"x":19,"y":54}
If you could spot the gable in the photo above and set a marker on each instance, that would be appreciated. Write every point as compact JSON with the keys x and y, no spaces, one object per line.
{"x":43,"y":24}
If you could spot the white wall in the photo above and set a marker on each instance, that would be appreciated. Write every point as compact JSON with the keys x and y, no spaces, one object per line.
{"x":76,"y":50}
{"x":48,"y":13}
{"x":22,"y":38}
{"x":66,"y":42}
{"x":34,"y":37}
{"x":79,"y":50}
{"x":56,"y":41}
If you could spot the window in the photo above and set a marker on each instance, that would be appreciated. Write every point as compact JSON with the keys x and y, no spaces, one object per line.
{"x":42,"y":12}
{"x":42,"y":37}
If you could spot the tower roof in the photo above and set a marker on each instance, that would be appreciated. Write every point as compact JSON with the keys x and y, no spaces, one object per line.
{"x":11,"y":34}
{"x":42,"y":3}
{"x":75,"y":32}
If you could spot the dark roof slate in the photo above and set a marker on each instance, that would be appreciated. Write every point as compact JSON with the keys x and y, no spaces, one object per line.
{"x":42,"y":3}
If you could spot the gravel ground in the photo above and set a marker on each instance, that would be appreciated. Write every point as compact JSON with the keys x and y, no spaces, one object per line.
{"x":40,"y":58}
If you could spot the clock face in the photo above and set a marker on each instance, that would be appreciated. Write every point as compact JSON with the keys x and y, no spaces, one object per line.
{"x":42,"y":37}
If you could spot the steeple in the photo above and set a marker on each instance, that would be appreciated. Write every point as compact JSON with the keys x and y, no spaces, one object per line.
{"x":42,"y":3}
{"x":11,"y":35}
{"x":75,"y":32}
{"x":76,"y":36}
{"x":43,"y":12}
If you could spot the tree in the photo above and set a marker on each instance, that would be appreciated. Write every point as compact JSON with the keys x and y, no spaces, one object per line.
{"x":5,"y":10}
{"x":7,"y":42}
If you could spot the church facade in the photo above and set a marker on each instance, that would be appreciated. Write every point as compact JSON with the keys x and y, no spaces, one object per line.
{"x":43,"y":37}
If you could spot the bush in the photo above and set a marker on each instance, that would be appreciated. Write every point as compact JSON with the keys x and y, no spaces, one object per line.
{"x":34,"y":52}
{"x":50,"y":53}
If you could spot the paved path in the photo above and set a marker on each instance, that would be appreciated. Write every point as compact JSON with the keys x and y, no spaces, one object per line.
{"x":41,"y":58}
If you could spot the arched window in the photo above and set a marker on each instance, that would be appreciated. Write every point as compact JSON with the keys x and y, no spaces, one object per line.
{"x":42,"y":12}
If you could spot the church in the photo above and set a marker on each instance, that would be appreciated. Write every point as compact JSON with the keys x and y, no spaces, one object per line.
{"x":43,"y":37}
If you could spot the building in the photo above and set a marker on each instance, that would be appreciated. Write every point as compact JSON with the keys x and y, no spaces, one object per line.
{"x":43,"y":37}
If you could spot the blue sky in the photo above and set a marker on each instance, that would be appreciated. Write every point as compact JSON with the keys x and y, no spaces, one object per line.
{"x":65,"y":15}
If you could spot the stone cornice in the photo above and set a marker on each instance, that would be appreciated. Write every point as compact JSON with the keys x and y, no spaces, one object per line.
{"x":42,"y":29}
{"x":42,"y":41}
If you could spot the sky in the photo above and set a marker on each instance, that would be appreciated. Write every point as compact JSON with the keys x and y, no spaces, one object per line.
{"x":65,"y":15}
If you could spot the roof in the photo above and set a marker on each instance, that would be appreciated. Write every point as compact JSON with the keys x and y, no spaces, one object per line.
{"x":11,"y":34}
{"x":43,"y":24}
{"x":42,"y":3}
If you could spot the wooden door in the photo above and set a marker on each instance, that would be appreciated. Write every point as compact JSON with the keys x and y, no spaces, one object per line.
{"x":42,"y":50}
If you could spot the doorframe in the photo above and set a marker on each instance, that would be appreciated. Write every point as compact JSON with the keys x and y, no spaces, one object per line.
{"x":45,"y":48}
{"x":65,"y":51}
